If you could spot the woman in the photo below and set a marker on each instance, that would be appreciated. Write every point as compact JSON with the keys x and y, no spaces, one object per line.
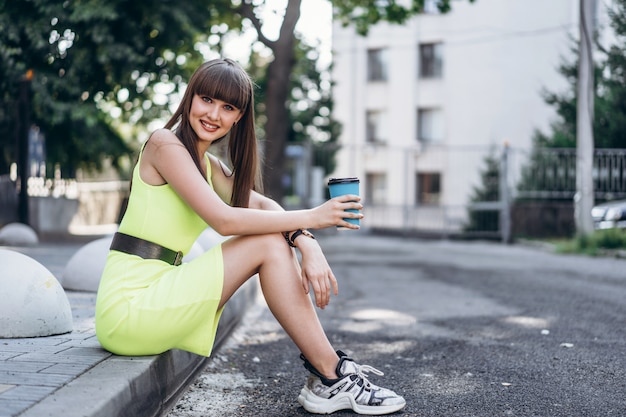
{"x":148,"y":302}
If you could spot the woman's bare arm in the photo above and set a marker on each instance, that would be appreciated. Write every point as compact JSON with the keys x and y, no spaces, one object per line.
{"x":174,"y":164}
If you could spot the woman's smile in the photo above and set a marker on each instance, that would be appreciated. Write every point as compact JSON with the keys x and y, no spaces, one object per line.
{"x":209,"y":126}
{"x":212,"y":116}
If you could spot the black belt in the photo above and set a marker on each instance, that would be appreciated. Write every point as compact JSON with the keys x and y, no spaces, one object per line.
{"x":145,"y":249}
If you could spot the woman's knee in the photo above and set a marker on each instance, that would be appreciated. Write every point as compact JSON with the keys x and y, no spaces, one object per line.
{"x":265,"y":245}
{"x":274,"y":244}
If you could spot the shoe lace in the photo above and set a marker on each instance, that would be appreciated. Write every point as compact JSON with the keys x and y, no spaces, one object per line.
{"x":363,"y":370}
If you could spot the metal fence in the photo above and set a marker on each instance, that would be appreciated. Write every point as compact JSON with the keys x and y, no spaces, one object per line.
{"x":496,"y":192}
{"x":551,"y":174}
{"x":58,"y":205}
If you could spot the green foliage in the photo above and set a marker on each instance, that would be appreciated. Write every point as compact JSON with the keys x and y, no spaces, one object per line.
{"x":309,"y":105}
{"x":596,"y":243}
{"x":311,"y":108}
{"x":611,"y":238}
{"x":487,"y":190}
{"x":554,"y":171}
{"x":89,"y":56}
{"x":549,"y":170}
{"x":94,"y":57}
{"x":364,"y":13}
{"x":610,"y":93}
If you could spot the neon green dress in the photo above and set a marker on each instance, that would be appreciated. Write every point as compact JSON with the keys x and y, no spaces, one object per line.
{"x":146,"y":306}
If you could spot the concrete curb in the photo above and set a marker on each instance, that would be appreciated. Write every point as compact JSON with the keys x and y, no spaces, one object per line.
{"x":139,"y":386}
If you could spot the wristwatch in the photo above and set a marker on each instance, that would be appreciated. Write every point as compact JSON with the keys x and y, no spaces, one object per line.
{"x":291,"y":240}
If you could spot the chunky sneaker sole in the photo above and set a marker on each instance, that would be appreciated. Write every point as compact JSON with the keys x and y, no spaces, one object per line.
{"x":318,"y":405}
{"x":350,"y":391}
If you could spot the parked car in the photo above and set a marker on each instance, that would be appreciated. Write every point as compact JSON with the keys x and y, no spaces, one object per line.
{"x":609,"y":215}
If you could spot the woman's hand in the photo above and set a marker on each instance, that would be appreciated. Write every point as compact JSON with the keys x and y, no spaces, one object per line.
{"x":333,"y":212}
{"x":316,"y":273}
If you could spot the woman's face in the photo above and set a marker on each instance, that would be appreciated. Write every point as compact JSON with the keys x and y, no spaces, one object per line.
{"x":211,"y":118}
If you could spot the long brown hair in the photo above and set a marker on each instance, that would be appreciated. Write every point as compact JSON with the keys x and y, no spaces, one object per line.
{"x":224,"y":79}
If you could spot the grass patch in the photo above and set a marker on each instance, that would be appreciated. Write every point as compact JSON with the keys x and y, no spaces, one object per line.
{"x":594,"y":244}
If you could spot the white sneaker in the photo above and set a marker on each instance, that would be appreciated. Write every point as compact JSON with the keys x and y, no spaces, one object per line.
{"x":352,"y":390}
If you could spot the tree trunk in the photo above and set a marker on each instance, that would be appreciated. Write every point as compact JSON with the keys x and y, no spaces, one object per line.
{"x":277,"y":95}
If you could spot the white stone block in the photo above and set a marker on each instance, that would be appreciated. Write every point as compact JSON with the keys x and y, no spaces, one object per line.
{"x":84,"y":269}
{"x":18,"y":234}
{"x":33,"y":301}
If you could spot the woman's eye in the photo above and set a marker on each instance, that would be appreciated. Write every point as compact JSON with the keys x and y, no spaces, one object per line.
{"x":229,"y":107}
{"x":207,"y":99}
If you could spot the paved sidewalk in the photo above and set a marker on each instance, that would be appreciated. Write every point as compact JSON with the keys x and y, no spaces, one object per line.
{"x":71,"y":375}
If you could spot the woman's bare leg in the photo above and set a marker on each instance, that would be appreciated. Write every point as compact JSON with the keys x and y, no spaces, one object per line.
{"x":273,"y":260}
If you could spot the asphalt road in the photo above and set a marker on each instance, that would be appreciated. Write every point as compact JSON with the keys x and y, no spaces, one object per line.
{"x":459,"y":328}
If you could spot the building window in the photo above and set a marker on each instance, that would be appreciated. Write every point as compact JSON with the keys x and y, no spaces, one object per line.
{"x":376,"y":65}
{"x":375,"y":126}
{"x":375,"y":188}
{"x":430,"y":125}
{"x":431,"y":60}
{"x":428,"y":188}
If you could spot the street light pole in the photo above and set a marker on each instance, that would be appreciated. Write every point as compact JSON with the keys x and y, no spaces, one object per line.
{"x":22,"y":145}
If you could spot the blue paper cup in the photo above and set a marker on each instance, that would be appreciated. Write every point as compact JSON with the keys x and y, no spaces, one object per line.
{"x":342,"y":186}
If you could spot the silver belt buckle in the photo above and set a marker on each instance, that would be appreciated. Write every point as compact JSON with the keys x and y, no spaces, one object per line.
{"x":179,"y":258}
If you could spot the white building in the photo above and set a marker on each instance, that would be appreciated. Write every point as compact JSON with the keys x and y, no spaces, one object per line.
{"x":422,"y":104}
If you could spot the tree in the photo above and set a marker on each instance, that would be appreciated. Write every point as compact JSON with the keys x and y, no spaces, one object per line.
{"x":88,"y":57}
{"x":609,"y":117}
{"x":362,"y":14}
{"x":553,"y":172}
{"x":487,"y":190}
{"x":609,"y":114}
{"x":311,"y":109}
{"x":93,"y":58}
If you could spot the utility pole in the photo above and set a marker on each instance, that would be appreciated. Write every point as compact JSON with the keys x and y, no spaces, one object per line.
{"x":22,"y":146}
{"x":505,"y":198}
{"x":584,"y":198}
